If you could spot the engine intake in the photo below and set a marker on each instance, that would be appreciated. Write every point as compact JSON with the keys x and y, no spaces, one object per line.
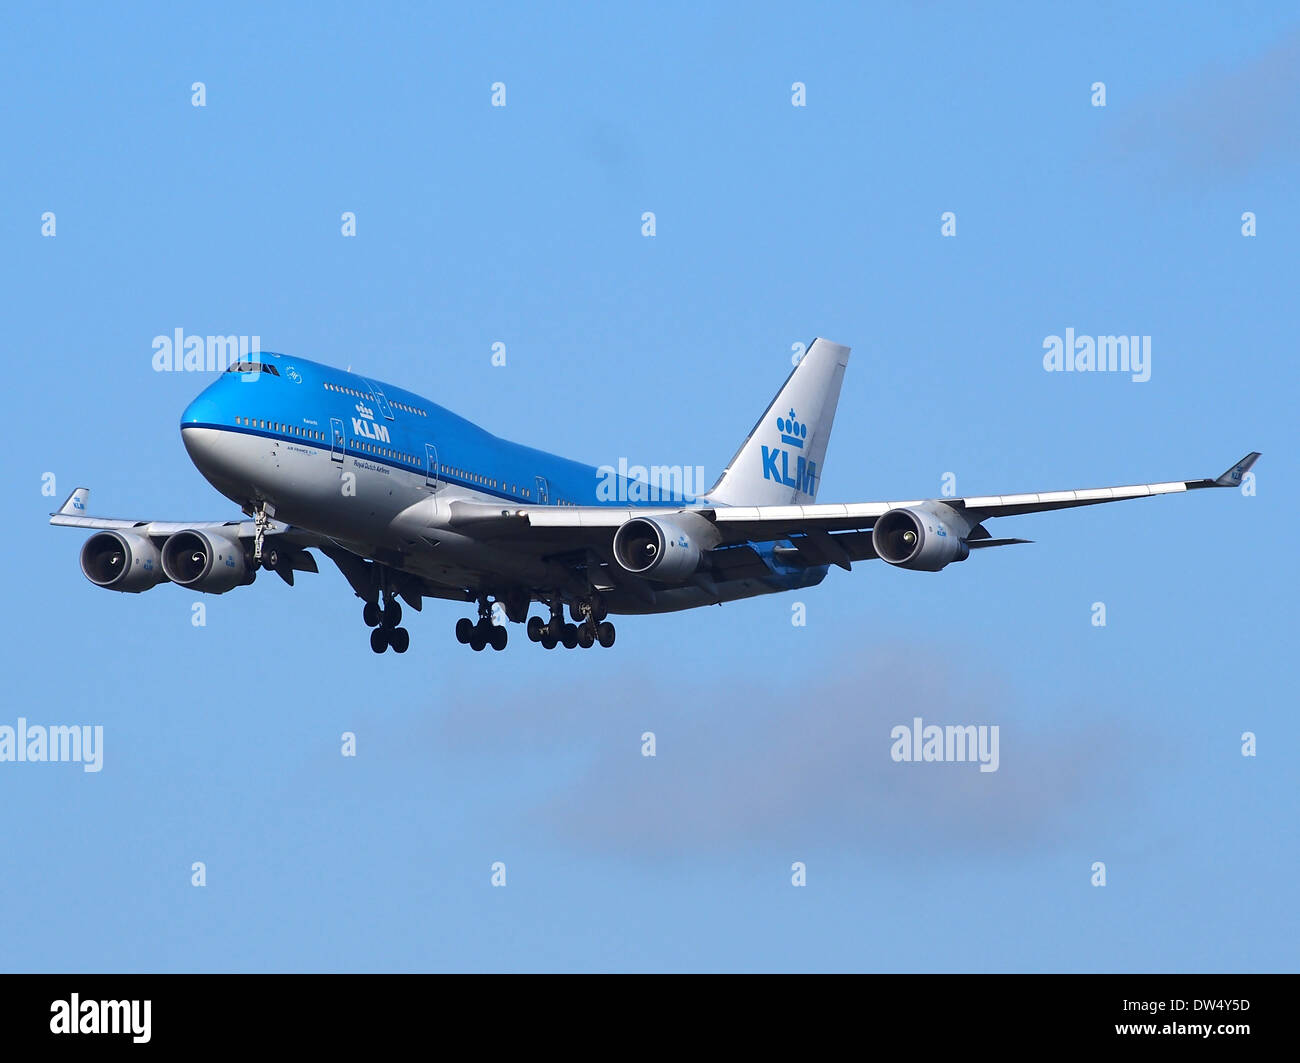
{"x":121,"y":561}
{"x":919,"y":539}
{"x":205,"y":561}
{"x":657,"y":548}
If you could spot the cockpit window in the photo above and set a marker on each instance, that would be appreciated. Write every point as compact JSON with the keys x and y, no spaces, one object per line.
{"x":253,"y":367}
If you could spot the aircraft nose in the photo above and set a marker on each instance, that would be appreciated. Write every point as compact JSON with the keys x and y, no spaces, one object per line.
{"x":202,"y":411}
{"x":200,"y":423}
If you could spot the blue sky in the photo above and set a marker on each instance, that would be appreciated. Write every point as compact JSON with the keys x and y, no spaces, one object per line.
{"x":522,"y":225}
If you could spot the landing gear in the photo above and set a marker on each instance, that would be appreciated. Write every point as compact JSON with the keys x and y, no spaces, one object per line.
{"x":483,"y":634}
{"x":261,"y":522}
{"x":592,"y":628}
{"x":588,"y":608}
{"x":385,"y":631}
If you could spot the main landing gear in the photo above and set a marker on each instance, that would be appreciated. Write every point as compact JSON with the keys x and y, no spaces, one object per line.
{"x":555,"y":632}
{"x":386,"y":633}
{"x":483,"y":634}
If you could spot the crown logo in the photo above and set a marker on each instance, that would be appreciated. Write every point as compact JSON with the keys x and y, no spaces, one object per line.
{"x":365,"y":410}
{"x":792,"y":431}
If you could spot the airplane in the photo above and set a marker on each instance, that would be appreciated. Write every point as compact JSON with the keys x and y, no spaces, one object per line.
{"x":410,"y":502}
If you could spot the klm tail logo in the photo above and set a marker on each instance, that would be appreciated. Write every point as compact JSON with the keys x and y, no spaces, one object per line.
{"x":776,"y":461}
{"x":792,"y":432}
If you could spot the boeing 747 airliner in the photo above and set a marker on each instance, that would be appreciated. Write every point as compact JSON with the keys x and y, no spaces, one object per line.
{"x":412,"y":502}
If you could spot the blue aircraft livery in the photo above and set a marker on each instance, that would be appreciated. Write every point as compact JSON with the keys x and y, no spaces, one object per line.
{"x":413,"y":503}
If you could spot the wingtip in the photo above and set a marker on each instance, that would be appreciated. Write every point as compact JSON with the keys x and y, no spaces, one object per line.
{"x":1232,"y":477}
{"x":75,"y":504}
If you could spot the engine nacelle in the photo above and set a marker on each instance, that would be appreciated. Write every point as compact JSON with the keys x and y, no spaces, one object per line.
{"x":122,"y":561}
{"x":207,"y":562}
{"x":659,"y":548}
{"x":921,"y":538}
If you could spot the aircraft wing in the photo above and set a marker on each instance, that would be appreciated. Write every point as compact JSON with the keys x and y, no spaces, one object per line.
{"x":74,"y":513}
{"x":835,"y":531}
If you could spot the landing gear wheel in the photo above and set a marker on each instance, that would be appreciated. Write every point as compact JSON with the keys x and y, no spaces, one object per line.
{"x":371,"y":615}
{"x":498,"y":638}
{"x":549,"y":637}
{"x":464,"y":630}
{"x":535,"y":628}
{"x":575,"y":613}
{"x":400,"y":639}
{"x":479,"y":639}
{"x":586,"y":637}
{"x":569,"y":636}
{"x":392,"y":614}
{"x":605,"y":634}
{"x":379,"y":640}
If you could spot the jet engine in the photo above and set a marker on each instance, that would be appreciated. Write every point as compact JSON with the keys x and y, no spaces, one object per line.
{"x":657,"y":548}
{"x":121,"y":561}
{"x":921,"y":538}
{"x":205,"y":561}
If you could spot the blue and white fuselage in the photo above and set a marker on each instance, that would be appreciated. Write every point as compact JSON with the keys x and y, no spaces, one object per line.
{"x":411,"y":501}
{"x":380,"y":469}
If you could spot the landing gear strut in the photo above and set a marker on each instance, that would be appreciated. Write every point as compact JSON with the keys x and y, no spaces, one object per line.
{"x":483,"y":634}
{"x":384,"y":621}
{"x":261,"y":522}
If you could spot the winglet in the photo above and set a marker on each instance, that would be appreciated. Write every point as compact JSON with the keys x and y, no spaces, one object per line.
{"x":1232,"y":478}
{"x":77,"y":504}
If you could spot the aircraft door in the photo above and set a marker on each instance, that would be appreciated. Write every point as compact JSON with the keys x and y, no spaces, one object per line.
{"x":338,"y":441}
{"x":381,"y":400}
{"x":430,"y":466}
